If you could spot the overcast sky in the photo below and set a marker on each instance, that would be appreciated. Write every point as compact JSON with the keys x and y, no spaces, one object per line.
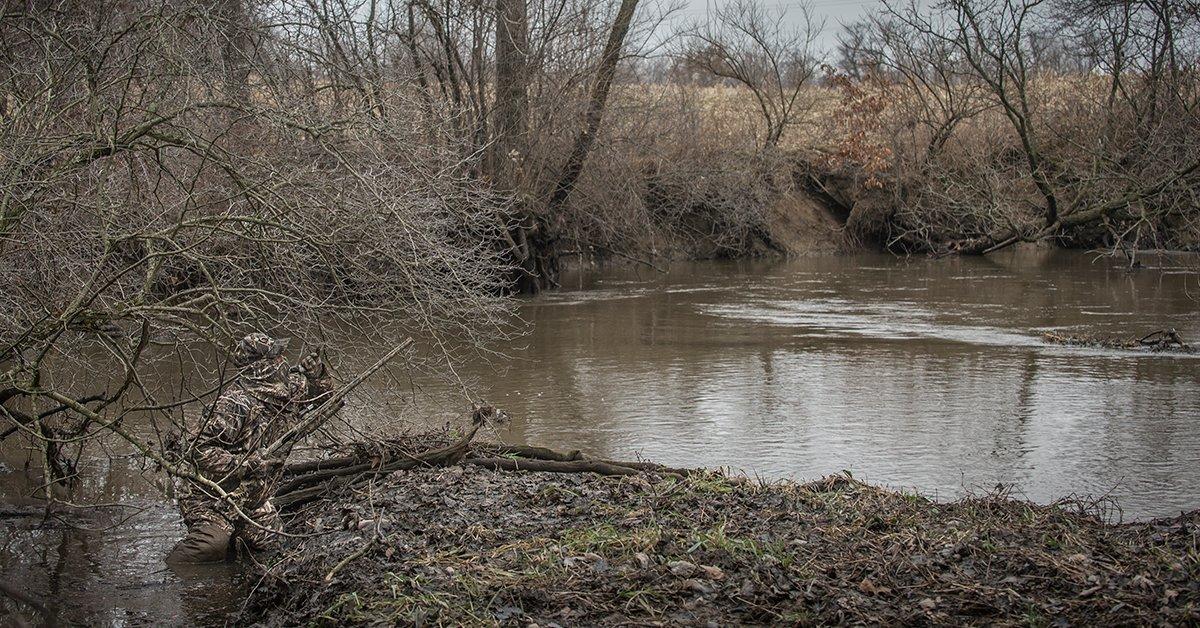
{"x":834,"y":12}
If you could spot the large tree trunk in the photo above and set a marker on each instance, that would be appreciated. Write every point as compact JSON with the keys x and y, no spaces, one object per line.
{"x":534,"y":240}
{"x":511,"y":119}
{"x":507,"y":154}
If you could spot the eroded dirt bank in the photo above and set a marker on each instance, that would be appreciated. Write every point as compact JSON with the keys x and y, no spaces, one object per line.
{"x":466,"y":544}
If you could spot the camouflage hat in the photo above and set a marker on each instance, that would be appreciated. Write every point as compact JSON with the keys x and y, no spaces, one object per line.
{"x":257,"y":346}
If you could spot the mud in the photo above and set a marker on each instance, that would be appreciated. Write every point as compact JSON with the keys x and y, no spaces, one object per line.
{"x":469,"y":545}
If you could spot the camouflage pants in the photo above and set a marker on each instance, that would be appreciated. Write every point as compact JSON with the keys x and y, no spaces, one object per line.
{"x":199,"y":510}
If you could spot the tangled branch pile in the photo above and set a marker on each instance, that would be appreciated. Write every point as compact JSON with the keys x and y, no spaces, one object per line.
{"x":304,"y":482}
{"x":173,"y":176}
{"x":466,"y":544}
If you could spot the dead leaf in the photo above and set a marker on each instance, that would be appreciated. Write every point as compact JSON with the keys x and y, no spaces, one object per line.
{"x":869,"y":587}
{"x":681,"y":568}
{"x":712,"y":572}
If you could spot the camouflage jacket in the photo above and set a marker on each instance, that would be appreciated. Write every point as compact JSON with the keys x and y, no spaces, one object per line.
{"x":247,"y":417}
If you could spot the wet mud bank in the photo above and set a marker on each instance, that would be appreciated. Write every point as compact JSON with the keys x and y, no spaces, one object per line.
{"x":469,"y":544}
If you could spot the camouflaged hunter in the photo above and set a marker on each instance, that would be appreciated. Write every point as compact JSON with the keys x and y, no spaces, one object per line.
{"x":264,"y":402}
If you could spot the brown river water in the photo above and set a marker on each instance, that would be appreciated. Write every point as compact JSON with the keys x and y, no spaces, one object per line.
{"x":916,"y":374}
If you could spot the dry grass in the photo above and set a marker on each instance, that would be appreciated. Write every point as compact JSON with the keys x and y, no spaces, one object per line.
{"x":729,"y":115}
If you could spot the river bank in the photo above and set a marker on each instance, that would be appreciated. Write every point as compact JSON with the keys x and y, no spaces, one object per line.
{"x":466,"y":544}
{"x":929,"y":375}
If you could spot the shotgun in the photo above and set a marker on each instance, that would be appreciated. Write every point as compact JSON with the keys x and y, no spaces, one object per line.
{"x":329,"y":407}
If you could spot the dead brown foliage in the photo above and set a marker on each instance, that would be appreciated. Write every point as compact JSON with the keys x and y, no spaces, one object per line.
{"x":468,"y":545}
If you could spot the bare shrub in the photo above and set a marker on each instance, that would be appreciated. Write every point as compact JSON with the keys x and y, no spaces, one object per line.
{"x":164,"y":194}
{"x":754,"y":47}
{"x":1038,"y":121}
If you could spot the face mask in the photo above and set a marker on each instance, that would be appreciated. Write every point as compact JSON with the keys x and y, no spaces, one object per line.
{"x":268,"y":371}
{"x":280,"y":376}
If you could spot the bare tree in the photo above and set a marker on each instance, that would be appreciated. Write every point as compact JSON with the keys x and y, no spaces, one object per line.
{"x":535,"y":241}
{"x":147,"y":219}
{"x":1086,"y":158}
{"x":763,"y":51}
{"x":935,"y":82}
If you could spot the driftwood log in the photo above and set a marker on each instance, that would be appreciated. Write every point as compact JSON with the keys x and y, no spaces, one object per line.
{"x":1161,"y":340}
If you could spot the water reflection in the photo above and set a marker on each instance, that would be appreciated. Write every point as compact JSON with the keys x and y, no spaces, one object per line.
{"x":921,"y":374}
{"x":104,"y":565}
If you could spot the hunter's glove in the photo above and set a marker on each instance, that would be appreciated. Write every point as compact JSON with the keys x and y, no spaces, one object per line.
{"x":256,"y":466}
{"x":312,"y":367}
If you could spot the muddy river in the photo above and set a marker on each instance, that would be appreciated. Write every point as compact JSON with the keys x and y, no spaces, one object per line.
{"x":917,"y":374}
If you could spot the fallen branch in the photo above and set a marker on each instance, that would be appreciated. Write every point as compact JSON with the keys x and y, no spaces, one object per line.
{"x":351,"y":558}
{"x":310,"y":486}
{"x":535,"y":453}
{"x":553,"y":466}
{"x":299,"y":468}
{"x":990,"y":243}
{"x":544,"y":453}
{"x":306,"y":481}
{"x":1161,"y":340}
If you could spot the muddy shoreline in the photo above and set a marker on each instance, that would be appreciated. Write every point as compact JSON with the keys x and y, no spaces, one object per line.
{"x":470,"y":545}
{"x":467,"y":544}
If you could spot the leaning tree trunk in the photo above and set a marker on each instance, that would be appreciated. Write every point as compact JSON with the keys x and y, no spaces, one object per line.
{"x":990,"y":243}
{"x":595,"y":112}
{"x":534,"y":240}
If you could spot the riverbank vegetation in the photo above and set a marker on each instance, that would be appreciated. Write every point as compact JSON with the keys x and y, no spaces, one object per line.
{"x":1073,"y":122}
{"x":472,"y":542}
{"x":175,"y":175}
